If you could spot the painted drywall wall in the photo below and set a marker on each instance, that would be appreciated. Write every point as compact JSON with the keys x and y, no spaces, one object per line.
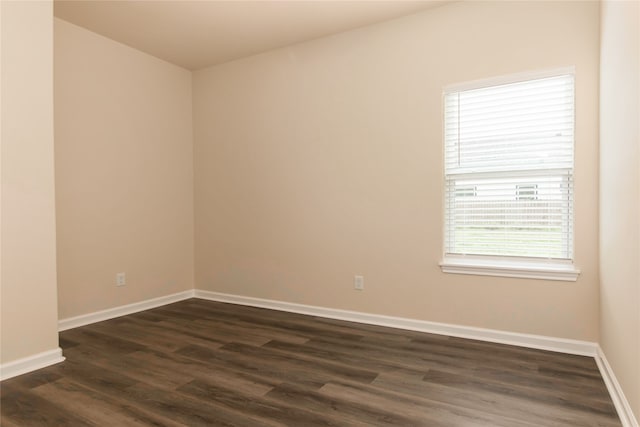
{"x":620,"y":194}
{"x":124,"y":173}
{"x":28,"y":308}
{"x":324,"y":160}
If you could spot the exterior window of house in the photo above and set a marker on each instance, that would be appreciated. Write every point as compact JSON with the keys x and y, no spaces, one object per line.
{"x":462,"y":192}
{"x":527,"y":191}
{"x":509,"y":149}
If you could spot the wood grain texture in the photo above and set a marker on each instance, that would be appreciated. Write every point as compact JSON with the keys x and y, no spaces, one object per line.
{"x":203,"y":363}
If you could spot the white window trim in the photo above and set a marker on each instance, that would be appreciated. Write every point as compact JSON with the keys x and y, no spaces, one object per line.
{"x":485,"y":265}
{"x":506,"y":79}
{"x":526,"y":268}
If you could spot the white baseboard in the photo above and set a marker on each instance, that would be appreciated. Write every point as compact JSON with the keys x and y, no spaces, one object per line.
{"x":583,"y":348}
{"x":615,"y":391}
{"x":31,"y":363}
{"x":123,"y":310}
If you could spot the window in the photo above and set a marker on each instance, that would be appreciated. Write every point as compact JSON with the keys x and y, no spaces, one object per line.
{"x":509,"y":177}
{"x":465,"y":192}
{"x":526,"y":192}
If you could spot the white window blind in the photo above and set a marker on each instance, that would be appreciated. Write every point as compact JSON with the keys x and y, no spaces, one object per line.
{"x":509,"y":169}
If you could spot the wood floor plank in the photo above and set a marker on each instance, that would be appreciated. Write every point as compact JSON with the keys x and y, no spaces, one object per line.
{"x":144,"y":372}
{"x":380,"y":332}
{"x":352,"y":413}
{"x":85,"y":372}
{"x":286,"y":322}
{"x":93,"y":406}
{"x":29,"y":409}
{"x":108,"y":345}
{"x":27,"y":382}
{"x":258,"y":410}
{"x":489,"y":402}
{"x":552,"y":398}
{"x":205,"y":363}
{"x":7,"y":422}
{"x":326,"y":353}
{"x":570,"y":384}
{"x":220,"y":374}
{"x":424,"y":411}
{"x":276,"y":372}
{"x":150,"y":335}
{"x":181,"y":409}
{"x":324,"y":368}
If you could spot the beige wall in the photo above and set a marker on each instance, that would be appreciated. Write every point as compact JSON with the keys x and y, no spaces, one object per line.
{"x":29,"y":308}
{"x":324,"y":160}
{"x":124,"y":173}
{"x":620,"y":194}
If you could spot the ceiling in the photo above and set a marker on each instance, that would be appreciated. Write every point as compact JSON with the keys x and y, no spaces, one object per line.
{"x":197,"y":34}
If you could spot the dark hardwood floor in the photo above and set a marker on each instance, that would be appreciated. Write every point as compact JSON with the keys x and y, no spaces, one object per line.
{"x":201,"y":363}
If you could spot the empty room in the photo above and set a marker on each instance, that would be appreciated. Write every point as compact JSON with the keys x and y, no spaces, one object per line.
{"x":320,"y":213}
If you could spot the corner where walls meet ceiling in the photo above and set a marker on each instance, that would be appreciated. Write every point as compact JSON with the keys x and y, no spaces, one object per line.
{"x":198,"y":34}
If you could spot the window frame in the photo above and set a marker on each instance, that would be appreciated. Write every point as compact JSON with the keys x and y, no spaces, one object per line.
{"x":506,"y":266}
{"x":527,"y":191}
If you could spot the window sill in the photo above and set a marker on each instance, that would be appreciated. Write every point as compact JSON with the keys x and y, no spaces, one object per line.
{"x":527,"y":269}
